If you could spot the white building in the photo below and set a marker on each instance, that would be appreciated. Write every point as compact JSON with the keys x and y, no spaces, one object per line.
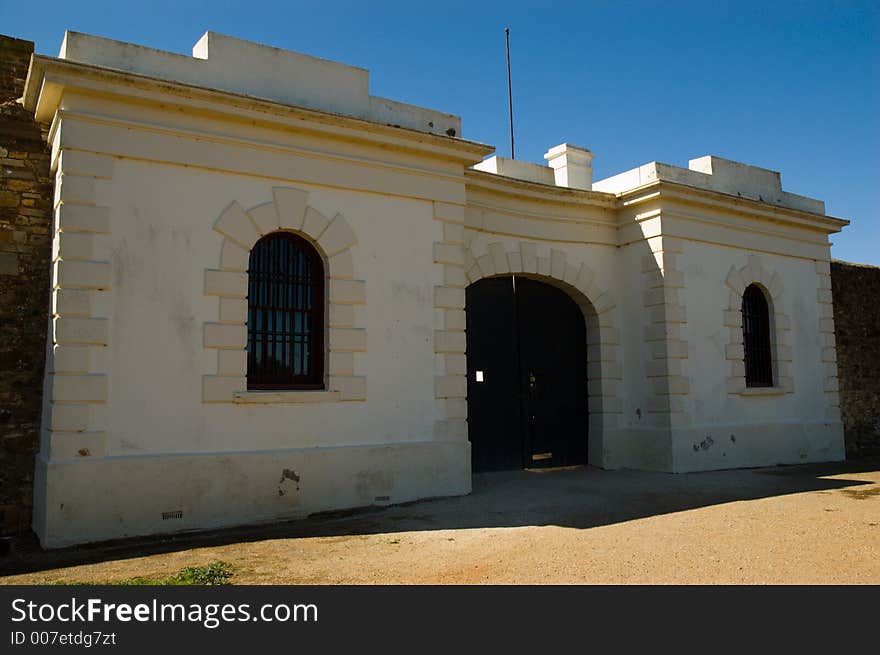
{"x":604,"y":319}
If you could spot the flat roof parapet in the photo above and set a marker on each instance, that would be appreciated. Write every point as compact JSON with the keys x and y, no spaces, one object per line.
{"x":714,"y":174}
{"x":229,"y":64}
{"x":517,"y":169}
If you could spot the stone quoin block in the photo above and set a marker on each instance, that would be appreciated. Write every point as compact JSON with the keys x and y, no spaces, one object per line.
{"x":342,"y":315}
{"x":557,"y":264}
{"x":449,"y":297}
{"x":76,"y":189}
{"x":85,"y":331}
{"x":450,"y":386}
{"x":735,"y":282}
{"x":342,"y":266}
{"x":73,"y":245}
{"x":529,"y":254}
{"x":82,"y":218}
{"x":544,"y":266}
{"x":604,"y":302}
{"x":499,"y":258}
{"x":514,"y":262}
{"x":350,"y":387}
{"x":348,"y":292}
{"x":237,"y":226}
{"x":223,"y":335}
{"x":69,"y":417}
{"x":70,"y":359}
{"x":449,"y":341}
{"x":264,"y":217}
{"x":233,"y":257}
{"x":446,"y":253}
{"x":737,"y":368}
{"x":233,"y":310}
{"x":453,"y":276}
{"x":454,"y":319}
{"x":230,"y":284}
{"x":348,"y":339}
{"x":232,"y":363}
{"x":455,"y":364}
{"x":314,"y":223}
{"x":453,"y":233}
{"x":734,"y":351}
{"x":221,"y":389}
{"x":337,"y":237}
{"x":486,"y":265}
{"x":341,"y":364}
{"x":290,"y":205}
{"x":585,"y":278}
{"x":76,"y":445}
{"x":455,"y":408}
{"x":71,"y":302}
{"x":87,"y":164}
{"x":446,"y":211}
{"x":78,"y":388}
{"x":669,"y":350}
{"x":75,"y":273}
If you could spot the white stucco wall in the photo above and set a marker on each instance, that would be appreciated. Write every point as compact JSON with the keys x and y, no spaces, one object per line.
{"x":159,"y":253}
{"x":729,"y":429}
{"x":160,"y":196}
{"x":160,"y":190}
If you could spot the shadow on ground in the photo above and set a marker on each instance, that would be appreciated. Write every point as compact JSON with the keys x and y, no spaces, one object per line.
{"x":577,"y":497}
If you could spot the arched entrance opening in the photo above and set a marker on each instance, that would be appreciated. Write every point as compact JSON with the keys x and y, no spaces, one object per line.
{"x":527,"y":375}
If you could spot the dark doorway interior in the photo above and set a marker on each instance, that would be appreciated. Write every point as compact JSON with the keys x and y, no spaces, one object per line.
{"x":527,"y":375}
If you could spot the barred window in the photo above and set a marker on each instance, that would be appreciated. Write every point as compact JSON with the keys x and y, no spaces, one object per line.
{"x":285,"y":344}
{"x":756,"y":338}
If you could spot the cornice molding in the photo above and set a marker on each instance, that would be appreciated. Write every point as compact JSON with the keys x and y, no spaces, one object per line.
{"x":48,"y":77}
{"x":661,"y":189}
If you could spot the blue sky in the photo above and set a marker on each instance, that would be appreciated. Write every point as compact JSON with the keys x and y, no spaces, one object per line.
{"x":791,"y":86}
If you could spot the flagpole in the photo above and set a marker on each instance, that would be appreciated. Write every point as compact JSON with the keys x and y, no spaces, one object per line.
{"x":509,"y":93}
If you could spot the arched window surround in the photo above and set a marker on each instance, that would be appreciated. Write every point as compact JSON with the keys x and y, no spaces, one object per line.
{"x":290,"y":210}
{"x":770,"y":283}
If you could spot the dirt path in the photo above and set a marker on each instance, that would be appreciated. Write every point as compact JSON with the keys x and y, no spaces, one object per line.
{"x":808,"y":525}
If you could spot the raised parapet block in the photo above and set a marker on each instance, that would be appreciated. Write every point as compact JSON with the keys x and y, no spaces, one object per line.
{"x":229,"y":64}
{"x":714,"y":174}
{"x":572,"y":166}
{"x":520,"y":170}
{"x":738,"y":179}
{"x":400,"y":114}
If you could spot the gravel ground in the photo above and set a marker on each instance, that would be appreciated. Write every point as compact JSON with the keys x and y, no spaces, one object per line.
{"x":813,"y":524}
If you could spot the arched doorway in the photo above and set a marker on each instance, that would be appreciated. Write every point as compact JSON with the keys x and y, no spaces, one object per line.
{"x":527,"y":375}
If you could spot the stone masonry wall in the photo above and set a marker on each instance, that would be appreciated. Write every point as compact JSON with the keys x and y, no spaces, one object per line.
{"x":856,"y":292}
{"x":25,"y":244}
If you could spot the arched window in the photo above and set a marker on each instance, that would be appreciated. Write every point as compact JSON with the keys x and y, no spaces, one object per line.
{"x":285,"y":314}
{"x":756,"y":338}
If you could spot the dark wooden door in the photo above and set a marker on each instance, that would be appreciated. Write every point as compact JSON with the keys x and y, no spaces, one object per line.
{"x":527,"y":375}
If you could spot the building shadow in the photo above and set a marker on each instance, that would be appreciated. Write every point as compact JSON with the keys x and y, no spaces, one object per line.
{"x":575,"y":497}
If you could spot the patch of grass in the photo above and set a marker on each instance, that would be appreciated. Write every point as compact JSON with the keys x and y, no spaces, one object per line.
{"x":215,"y":573}
{"x":861,"y":494}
